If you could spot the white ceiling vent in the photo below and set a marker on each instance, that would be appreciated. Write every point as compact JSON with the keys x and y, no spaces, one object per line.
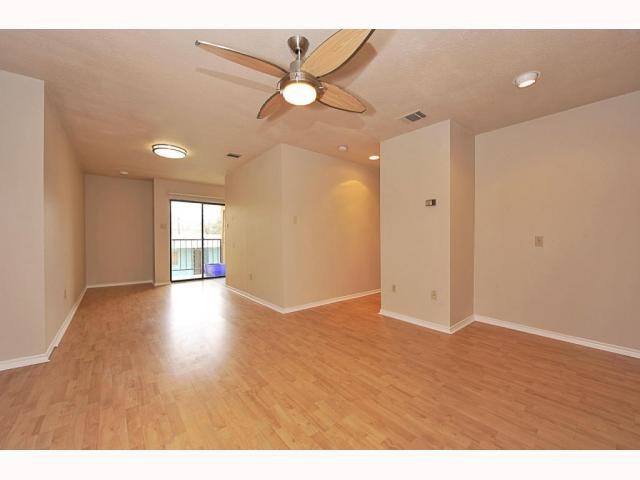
{"x":415,"y":116}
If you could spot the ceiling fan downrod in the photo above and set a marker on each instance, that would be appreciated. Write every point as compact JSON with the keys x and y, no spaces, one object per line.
{"x":299,"y":46}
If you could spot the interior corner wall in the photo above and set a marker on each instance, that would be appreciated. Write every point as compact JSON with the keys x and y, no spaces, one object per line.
{"x":573,"y":178}
{"x":163,"y":192}
{"x":22,"y":331}
{"x":302,"y":227}
{"x":118,"y":230}
{"x":253,"y":226}
{"x":331,"y":227}
{"x":64,"y":249}
{"x":415,"y":239}
{"x":462,"y":222}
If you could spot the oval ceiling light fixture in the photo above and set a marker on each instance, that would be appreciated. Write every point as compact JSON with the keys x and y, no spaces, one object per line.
{"x":168,"y":151}
{"x":124,"y":172}
{"x":526,"y":79}
{"x":299,"y":88}
{"x":343,"y":148}
{"x":299,"y":93}
{"x":374,"y":157}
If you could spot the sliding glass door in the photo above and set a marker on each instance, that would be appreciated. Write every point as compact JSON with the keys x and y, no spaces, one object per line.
{"x":197,"y":240}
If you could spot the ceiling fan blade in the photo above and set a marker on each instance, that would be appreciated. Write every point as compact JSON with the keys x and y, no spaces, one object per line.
{"x":274,"y":103}
{"x":335,"y":97}
{"x":243,"y":59}
{"x":335,"y":51}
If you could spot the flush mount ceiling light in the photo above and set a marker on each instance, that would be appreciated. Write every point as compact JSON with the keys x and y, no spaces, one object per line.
{"x":526,"y":79}
{"x":168,"y":151}
{"x":374,"y":157}
{"x":124,"y":172}
{"x":343,"y":148}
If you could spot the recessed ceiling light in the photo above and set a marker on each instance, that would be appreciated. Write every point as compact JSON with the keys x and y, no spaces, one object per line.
{"x":374,"y":157}
{"x":343,"y":148}
{"x":124,"y":172}
{"x":169,"y":151}
{"x":526,"y":79}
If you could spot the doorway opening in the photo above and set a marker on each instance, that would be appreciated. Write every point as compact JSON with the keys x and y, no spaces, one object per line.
{"x":196,"y":240}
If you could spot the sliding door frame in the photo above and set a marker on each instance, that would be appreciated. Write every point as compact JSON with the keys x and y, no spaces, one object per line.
{"x":202,"y":277}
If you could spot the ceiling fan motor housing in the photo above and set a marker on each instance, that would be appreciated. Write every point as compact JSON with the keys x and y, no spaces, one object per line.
{"x":299,"y":76}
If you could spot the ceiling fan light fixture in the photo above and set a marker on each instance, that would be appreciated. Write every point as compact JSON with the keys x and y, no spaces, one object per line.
{"x":299,"y":93}
{"x":299,"y":88}
{"x":168,"y":151}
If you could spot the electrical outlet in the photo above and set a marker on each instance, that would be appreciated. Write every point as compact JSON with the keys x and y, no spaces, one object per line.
{"x":393,"y":288}
{"x":538,"y":241}
{"x":434,"y":295}
{"x":251,"y":276}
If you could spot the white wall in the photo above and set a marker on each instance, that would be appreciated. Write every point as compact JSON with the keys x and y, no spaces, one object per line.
{"x":415,"y":240}
{"x":163,"y":192}
{"x":118,"y":230}
{"x":302,"y":227}
{"x":462,"y":222}
{"x":331,"y":227}
{"x":254,"y":233}
{"x":22,"y":275}
{"x":428,"y":249}
{"x":574,"y":178}
{"x":64,"y":224}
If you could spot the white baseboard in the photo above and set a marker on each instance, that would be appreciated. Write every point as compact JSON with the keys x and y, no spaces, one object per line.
{"x":427,"y":324}
{"x":416,"y":321}
{"x":259,"y":300}
{"x":462,"y":323}
{"x":161,"y":284}
{"x":305,"y":306}
{"x":585,"y":342}
{"x":328,"y":301}
{"x":63,"y":328}
{"x":23,"y":361}
{"x":44,"y":357}
{"x":119,"y":284}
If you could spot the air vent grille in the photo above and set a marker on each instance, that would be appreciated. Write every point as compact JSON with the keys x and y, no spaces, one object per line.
{"x":233,"y":155}
{"x":415,"y":116}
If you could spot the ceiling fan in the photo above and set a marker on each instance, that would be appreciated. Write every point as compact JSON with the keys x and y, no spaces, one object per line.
{"x":303,"y":84}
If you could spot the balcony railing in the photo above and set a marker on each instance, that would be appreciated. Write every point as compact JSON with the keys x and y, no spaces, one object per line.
{"x":186,"y":254}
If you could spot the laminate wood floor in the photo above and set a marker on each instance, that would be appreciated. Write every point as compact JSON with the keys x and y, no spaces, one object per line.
{"x":193,"y":365}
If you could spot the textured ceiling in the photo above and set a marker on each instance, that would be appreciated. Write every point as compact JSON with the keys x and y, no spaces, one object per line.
{"x":119,"y":91}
